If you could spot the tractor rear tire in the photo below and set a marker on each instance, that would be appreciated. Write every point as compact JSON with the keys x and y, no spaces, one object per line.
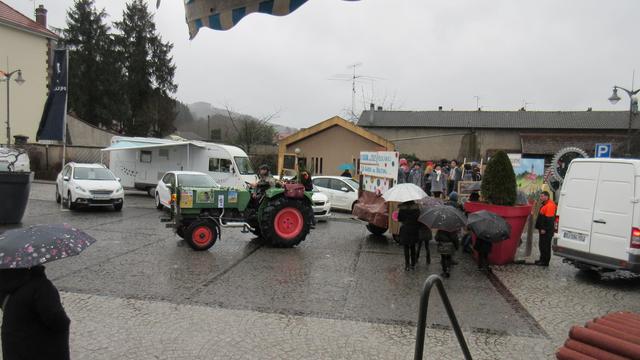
{"x":286,"y":222}
{"x":376,"y":230}
{"x":201,"y":234}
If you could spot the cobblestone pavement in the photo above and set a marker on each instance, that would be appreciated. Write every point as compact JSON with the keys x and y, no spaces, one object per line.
{"x":139,"y":293}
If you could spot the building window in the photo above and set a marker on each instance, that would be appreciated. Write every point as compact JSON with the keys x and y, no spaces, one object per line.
{"x":289,"y":162}
{"x":145,"y":156}
{"x":163,"y":153}
{"x":320,"y":165}
{"x":315,"y":166}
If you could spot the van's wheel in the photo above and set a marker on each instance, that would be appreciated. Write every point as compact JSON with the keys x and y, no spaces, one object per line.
{"x":201,"y":234}
{"x":376,"y":230}
{"x":58,"y":197}
{"x":286,"y":222}
{"x":159,"y":205}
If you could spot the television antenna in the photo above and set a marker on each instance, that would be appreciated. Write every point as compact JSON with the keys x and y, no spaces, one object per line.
{"x":354,"y":78}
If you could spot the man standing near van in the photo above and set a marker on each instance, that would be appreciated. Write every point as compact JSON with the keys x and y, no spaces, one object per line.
{"x":545,"y":225}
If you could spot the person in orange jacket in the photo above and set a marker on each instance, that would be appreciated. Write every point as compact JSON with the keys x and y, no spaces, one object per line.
{"x":545,"y":226}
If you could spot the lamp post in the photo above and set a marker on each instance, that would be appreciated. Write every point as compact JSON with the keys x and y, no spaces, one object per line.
{"x":19,"y":80}
{"x":633,"y":108}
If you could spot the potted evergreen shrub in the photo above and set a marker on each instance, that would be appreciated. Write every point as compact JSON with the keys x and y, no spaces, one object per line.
{"x":499,"y":190}
{"x":15,"y":184}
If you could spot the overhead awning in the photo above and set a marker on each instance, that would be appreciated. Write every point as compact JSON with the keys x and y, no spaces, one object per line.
{"x":130,"y":145}
{"x":549,"y":144}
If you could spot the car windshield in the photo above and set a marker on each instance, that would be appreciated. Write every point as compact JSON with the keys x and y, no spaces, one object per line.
{"x":82,"y":173}
{"x":244,"y":165}
{"x":196,"y":180}
{"x":354,"y":184}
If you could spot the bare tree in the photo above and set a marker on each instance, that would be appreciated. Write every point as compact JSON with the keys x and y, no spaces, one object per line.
{"x":250,"y":131}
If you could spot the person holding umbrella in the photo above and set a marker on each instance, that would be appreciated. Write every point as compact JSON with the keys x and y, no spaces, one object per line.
{"x":488,"y":228}
{"x":448,"y":221}
{"x":34,"y":323}
{"x":408,"y":213}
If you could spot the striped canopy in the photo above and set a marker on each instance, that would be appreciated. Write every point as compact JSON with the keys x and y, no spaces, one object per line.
{"x":225,"y":14}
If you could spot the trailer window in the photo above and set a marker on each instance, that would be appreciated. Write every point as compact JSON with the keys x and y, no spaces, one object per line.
{"x":244,"y":165}
{"x":219,"y":165}
{"x":145,"y":156}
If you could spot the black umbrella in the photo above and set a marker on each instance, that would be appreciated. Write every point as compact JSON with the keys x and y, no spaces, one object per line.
{"x":39,"y":244}
{"x":428,"y":202}
{"x":489,"y":226}
{"x":443,"y":217}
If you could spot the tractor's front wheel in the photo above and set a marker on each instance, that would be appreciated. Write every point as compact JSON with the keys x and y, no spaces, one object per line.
{"x":286,"y":222}
{"x":201,"y":234}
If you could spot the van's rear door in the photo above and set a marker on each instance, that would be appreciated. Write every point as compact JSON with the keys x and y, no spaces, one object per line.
{"x":576,"y":205}
{"x":613,"y":214}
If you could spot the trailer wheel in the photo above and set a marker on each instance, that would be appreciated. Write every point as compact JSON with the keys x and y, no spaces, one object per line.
{"x":286,"y":222}
{"x":201,"y":234}
{"x":376,"y":230}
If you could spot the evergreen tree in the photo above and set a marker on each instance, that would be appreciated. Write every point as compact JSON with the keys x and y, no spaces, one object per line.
{"x":93,"y":69}
{"x":148,"y":73}
{"x":499,"y":181}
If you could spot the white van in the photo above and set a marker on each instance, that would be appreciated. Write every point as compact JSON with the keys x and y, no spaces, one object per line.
{"x":141,"y":162}
{"x":598,"y":218}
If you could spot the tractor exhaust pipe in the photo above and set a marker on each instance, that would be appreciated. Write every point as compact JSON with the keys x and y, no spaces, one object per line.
{"x":239,"y":224}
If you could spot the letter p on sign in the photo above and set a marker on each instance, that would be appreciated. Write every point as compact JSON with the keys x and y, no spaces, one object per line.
{"x":603,"y":150}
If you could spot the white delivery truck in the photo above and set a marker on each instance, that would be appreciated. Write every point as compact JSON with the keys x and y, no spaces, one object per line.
{"x":598,"y":218}
{"x":140,"y":162}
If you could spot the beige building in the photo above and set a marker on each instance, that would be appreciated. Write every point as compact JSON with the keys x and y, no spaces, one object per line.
{"x":327,"y":145}
{"x":25,"y":45}
{"x":435,"y":135}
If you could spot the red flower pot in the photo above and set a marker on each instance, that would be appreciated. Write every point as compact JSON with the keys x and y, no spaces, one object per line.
{"x":504,"y":252}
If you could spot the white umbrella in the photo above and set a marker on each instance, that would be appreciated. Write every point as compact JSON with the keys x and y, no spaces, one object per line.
{"x":404,"y":192}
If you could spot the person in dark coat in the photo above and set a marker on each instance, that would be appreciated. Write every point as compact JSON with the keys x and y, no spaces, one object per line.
{"x":403,"y":171}
{"x":424,"y":238}
{"x":446,"y":247}
{"x":426,"y":180}
{"x":408,"y":214}
{"x":483,"y":247}
{"x":34,"y":323}
{"x":453,"y":177}
{"x":346,"y":173}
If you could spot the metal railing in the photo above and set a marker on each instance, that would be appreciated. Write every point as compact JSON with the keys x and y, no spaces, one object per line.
{"x":422,"y":317}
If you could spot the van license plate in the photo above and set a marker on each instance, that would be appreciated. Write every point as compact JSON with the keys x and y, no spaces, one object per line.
{"x":570,"y":235}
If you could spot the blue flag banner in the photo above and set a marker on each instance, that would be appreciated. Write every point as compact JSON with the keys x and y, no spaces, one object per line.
{"x":225,"y":14}
{"x":53,"y":116}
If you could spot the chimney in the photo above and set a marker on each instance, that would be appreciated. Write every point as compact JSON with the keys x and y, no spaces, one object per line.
{"x":379,"y":108}
{"x":372,"y":109}
{"x":41,"y":16}
{"x":589,"y":108}
{"x":439,"y":108}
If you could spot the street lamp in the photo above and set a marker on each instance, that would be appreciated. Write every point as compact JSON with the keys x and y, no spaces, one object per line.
{"x":633,"y":108}
{"x":19,"y":80}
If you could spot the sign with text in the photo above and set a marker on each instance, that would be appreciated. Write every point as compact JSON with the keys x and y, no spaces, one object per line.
{"x":379,"y":170}
{"x":603,"y":151}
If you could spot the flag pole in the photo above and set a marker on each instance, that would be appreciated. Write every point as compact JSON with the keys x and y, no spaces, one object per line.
{"x":64,"y":118}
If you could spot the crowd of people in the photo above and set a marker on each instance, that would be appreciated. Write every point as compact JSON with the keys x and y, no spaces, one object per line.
{"x":437,"y":178}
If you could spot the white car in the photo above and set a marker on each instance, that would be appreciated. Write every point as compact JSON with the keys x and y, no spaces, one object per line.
{"x":321,"y":205}
{"x":88,"y":185}
{"x":171,"y":179}
{"x":341,"y":191}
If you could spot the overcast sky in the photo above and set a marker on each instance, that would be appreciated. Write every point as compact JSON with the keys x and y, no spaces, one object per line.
{"x":555,"y":55}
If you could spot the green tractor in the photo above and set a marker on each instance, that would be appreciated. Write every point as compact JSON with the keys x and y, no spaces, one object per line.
{"x":282,"y":216}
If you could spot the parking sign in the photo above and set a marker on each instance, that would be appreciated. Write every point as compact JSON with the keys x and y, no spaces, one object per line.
{"x":603,"y":150}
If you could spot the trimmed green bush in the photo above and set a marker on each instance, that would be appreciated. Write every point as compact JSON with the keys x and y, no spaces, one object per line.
{"x":499,"y":181}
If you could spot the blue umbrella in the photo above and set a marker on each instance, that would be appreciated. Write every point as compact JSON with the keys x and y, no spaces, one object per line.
{"x":345,"y":166}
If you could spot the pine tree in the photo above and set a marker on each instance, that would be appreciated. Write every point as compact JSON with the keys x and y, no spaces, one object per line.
{"x":93,"y":68}
{"x":499,"y":181}
{"x":148,"y":73}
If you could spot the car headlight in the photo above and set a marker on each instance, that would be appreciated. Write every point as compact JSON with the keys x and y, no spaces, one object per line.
{"x":80,"y":188}
{"x":119,"y":189}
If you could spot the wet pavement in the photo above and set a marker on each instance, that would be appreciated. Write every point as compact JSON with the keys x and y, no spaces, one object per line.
{"x":140,"y":292}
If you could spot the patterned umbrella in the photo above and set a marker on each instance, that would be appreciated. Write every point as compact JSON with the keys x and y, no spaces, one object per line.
{"x":225,"y":14}
{"x":443,"y":217}
{"x":39,"y":244}
{"x":428,"y":202}
{"x":489,"y":226}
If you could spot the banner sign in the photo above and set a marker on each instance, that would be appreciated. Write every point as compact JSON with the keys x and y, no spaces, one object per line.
{"x":379,"y":170}
{"x":53,"y":117}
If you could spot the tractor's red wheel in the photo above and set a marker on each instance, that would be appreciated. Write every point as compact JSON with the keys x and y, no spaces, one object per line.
{"x":288,"y":223}
{"x":201,"y":234}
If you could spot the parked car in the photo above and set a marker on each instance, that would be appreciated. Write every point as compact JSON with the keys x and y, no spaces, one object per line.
{"x":172,"y":179}
{"x":88,"y":185}
{"x":598,"y":222}
{"x":321,"y":205}
{"x":341,"y":191}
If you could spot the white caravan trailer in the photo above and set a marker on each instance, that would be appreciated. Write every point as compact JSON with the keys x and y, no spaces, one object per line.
{"x":140,"y":162}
